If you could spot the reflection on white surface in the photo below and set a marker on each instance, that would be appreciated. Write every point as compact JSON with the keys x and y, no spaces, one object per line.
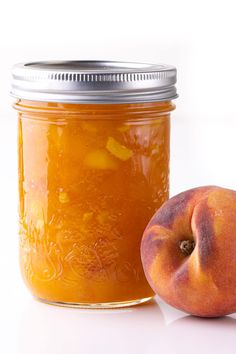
{"x":49,"y":329}
{"x":146,"y":329}
{"x":197,"y":335}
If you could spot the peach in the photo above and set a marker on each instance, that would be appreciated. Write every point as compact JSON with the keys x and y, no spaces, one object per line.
{"x":188,"y":251}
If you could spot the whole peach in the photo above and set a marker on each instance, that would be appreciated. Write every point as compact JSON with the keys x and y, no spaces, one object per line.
{"x":188,"y":251}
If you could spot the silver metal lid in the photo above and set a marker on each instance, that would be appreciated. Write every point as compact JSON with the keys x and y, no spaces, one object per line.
{"x":93,"y":82}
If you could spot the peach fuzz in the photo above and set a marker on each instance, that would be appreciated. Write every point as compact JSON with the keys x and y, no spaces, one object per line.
{"x":188,"y":251}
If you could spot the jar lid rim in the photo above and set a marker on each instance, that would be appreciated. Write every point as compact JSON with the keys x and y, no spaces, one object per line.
{"x":93,"y":81}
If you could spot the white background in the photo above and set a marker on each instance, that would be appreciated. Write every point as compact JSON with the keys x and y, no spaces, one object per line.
{"x":199,"y":38}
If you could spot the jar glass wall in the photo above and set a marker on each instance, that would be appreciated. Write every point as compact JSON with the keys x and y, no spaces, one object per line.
{"x":90,"y":178}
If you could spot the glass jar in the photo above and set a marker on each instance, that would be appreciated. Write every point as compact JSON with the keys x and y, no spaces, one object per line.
{"x":93,"y":142}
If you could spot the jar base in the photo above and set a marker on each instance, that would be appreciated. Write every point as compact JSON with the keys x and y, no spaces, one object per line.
{"x":102,"y":305}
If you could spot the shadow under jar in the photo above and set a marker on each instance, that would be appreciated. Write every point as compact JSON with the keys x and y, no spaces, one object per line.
{"x":93,"y":143}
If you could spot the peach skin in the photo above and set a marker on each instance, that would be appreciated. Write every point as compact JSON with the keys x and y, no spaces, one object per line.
{"x":188,"y":251}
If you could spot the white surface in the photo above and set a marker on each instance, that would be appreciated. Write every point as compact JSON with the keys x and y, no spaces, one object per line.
{"x":30,"y":327}
{"x":197,"y":37}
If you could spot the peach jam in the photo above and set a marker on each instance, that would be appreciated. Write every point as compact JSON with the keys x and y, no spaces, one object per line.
{"x":93,"y":151}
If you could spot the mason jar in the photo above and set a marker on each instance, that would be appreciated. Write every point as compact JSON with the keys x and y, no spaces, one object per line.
{"x":93,"y":148}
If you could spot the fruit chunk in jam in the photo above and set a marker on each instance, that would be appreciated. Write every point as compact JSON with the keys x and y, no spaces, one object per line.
{"x":90,"y":178}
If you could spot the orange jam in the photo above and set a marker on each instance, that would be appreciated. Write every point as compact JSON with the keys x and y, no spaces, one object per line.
{"x":90,"y":178}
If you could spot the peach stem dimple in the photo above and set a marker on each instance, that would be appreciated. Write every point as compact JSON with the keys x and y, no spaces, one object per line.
{"x":187,"y":247}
